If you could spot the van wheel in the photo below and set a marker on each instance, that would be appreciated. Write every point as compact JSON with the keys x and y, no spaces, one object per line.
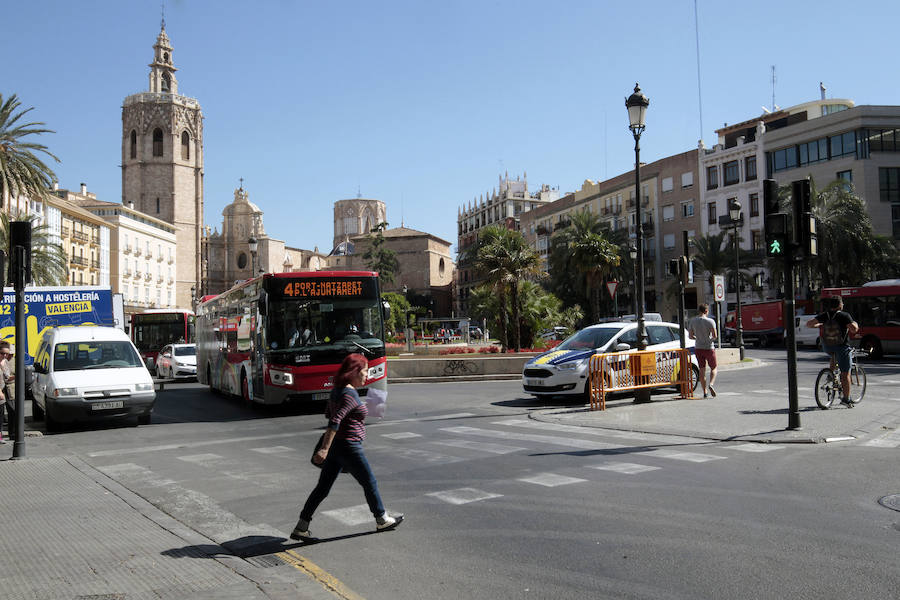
{"x":143,"y":419}
{"x":37,"y":413}
{"x":50,"y":423}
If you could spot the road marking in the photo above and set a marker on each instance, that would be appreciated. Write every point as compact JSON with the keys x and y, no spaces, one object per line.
{"x":480,"y":446}
{"x":422,"y":419}
{"x":718,"y":393}
{"x":757,"y":391}
{"x":628,"y":435}
{"x":624,"y":467}
{"x":352,"y":515}
{"x":751,"y":447}
{"x":272,"y":450}
{"x":551,"y":480}
{"x":887,"y":440}
{"x":423,"y":456}
{"x":402,"y":435}
{"x":201,"y":459}
{"x":188,"y":445}
{"x":547,"y":439}
{"x":327,"y":580}
{"x":686,"y":456}
{"x":463,"y":495}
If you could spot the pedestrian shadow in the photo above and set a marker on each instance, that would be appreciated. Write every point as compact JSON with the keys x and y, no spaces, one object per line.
{"x":623,"y":450}
{"x":254,"y":546}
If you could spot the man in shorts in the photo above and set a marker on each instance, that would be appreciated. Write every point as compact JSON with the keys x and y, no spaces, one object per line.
{"x":835,"y":326}
{"x":703,"y":330}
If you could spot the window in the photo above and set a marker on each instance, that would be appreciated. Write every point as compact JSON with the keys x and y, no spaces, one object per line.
{"x":813,"y":152}
{"x":884,"y":140}
{"x":754,"y":205}
{"x":711,"y":216}
{"x":669,"y":241}
{"x":687,"y":209}
{"x":157,"y":206}
{"x":756,"y":240}
{"x":750,"y":168}
{"x":133,"y":144}
{"x":687,"y":179}
{"x":669,"y":213}
{"x":166,"y":83}
{"x":731,"y":173}
{"x":889,"y":184}
{"x":667,"y":185}
{"x":786,"y":158}
{"x":843,"y":144}
{"x":845,"y":176}
{"x":712,"y":178}
{"x":185,"y":146}
{"x":157,"y":142}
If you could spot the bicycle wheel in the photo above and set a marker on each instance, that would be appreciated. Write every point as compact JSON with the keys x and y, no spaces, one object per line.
{"x":826,"y":389}
{"x":857,"y":384}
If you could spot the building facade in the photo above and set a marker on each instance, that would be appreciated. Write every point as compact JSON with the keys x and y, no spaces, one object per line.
{"x":162,"y":163}
{"x":356,"y":216}
{"x":85,"y":237}
{"x":505,"y":206}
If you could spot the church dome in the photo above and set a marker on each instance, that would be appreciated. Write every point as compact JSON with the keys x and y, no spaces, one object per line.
{"x":344,"y":248}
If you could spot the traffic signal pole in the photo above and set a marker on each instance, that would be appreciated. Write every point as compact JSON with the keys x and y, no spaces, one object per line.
{"x":789,"y":313}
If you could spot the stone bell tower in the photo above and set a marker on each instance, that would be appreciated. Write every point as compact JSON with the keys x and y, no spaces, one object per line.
{"x":162,"y":162}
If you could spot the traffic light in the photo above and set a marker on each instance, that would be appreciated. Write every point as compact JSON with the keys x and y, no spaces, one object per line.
{"x":678,"y":268}
{"x":804,"y":221}
{"x":776,"y":222}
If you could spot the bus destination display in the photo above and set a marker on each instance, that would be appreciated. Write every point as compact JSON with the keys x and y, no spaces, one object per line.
{"x":327,"y":288}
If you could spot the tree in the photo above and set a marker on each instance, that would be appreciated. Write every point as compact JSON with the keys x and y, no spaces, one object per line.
{"x":714,"y":255}
{"x":48,"y":259}
{"x":22,"y":173}
{"x":378,"y":257}
{"x":583,"y":246}
{"x":504,"y":258}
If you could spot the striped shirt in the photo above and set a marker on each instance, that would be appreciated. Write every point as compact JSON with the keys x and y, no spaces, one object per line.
{"x":346,"y":414}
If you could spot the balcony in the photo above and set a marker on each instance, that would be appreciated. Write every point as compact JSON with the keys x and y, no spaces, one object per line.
{"x":160,"y":279}
{"x":171,"y":280}
{"x":126,"y":273}
{"x":138,"y":251}
{"x":160,"y":258}
{"x":81,"y":237}
{"x":65,"y":232}
{"x":95,"y":264}
{"x":138,"y":274}
{"x":148,"y":276}
{"x":126,"y":249}
{"x":171,"y":259}
{"x":95,"y":240}
{"x":79,"y":261}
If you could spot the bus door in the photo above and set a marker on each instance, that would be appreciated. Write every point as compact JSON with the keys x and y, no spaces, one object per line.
{"x":257,"y":353}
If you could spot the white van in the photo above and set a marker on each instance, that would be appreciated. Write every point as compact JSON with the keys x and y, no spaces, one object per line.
{"x":83,"y":373}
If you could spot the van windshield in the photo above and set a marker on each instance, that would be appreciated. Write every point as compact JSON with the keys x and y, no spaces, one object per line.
{"x":75,"y":356}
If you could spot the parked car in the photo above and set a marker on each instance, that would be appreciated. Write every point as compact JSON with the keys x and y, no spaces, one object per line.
{"x":563,"y":371}
{"x":84,"y":373}
{"x":554,"y":333}
{"x":177,"y":361}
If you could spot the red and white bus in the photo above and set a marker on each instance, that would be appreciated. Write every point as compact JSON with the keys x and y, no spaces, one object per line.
{"x":153,"y":329}
{"x":876,"y":307}
{"x":280,"y":337}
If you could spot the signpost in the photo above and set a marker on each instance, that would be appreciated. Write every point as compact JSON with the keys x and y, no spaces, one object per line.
{"x":719,"y":296}
{"x":611,"y":286}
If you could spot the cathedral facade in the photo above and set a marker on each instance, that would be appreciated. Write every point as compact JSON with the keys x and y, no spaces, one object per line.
{"x":162,"y":163}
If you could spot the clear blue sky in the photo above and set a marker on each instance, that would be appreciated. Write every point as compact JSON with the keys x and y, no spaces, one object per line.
{"x":423,"y":104}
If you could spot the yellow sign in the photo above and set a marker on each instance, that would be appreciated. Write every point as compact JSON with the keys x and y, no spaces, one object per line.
{"x":643,"y":364}
{"x":65,"y":308}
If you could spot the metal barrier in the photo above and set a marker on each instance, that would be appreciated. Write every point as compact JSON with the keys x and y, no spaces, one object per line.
{"x":617,"y":372}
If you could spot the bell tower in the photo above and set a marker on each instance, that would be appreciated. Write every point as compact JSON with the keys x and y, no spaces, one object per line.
{"x":162,"y":163}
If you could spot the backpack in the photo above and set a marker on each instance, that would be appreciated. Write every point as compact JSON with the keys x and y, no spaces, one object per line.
{"x":832,"y":333}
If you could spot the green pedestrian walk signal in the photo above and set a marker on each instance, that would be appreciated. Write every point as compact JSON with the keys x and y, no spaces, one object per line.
{"x":775,"y":248}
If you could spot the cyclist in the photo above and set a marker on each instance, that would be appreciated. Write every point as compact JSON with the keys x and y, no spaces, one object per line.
{"x":835,"y":326}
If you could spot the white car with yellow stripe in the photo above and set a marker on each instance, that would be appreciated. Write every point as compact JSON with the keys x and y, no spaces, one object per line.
{"x":563,"y":371}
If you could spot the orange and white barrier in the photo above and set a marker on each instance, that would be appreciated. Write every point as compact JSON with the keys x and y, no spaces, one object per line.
{"x":618,"y":372}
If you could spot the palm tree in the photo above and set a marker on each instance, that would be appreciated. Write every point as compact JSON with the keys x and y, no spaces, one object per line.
{"x":48,"y":259}
{"x":504,"y":258}
{"x":22,"y":173}
{"x":714,"y":255}
{"x":591,"y":253}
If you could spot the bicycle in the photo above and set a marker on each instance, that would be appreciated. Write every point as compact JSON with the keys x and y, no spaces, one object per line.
{"x":828,"y":382}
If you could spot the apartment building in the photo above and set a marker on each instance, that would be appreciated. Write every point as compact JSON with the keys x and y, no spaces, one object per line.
{"x":84,"y":237}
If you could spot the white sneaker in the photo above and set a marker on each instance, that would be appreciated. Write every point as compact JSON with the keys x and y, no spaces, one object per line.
{"x":301,"y":531}
{"x":386,"y":521}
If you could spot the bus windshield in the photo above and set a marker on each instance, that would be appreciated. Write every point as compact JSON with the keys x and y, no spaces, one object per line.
{"x":314,"y":326}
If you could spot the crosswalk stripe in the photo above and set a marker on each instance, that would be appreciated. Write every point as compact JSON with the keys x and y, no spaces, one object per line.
{"x":480,"y":446}
{"x":463,"y":495}
{"x":887,"y":440}
{"x":551,"y":479}
{"x":616,"y":433}
{"x":686,"y":456}
{"x":461,"y":415}
{"x":624,"y":467}
{"x":424,"y":456}
{"x":401,"y":435}
{"x":547,"y":439}
{"x":201,"y":459}
{"x":751,"y":447}
{"x":272,"y":450}
{"x":352,"y":515}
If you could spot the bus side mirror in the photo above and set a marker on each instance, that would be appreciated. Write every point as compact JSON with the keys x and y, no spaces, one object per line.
{"x":386,"y":309}
{"x":261,"y":303}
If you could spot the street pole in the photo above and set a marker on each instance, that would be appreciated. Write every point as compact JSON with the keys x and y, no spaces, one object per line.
{"x":19,"y":281}
{"x":739,"y":335}
{"x":789,"y":312}
{"x":637,"y":105}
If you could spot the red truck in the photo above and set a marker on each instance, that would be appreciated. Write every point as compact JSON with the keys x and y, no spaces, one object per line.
{"x":762,"y":323}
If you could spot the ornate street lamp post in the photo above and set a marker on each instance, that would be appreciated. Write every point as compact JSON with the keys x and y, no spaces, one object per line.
{"x":253,"y":246}
{"x":632,"y":253}
{"x":637,"y":104}
{"x":734,"y":211}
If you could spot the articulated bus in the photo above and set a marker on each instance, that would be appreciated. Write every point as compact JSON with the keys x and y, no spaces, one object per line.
{"x":153,"y":329}
{"x":876,"y":307}
{"x":280,"y":337}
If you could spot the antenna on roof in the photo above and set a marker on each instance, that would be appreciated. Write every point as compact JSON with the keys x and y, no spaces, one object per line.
{"x":162,"y":22}
{"x":774,"y":79}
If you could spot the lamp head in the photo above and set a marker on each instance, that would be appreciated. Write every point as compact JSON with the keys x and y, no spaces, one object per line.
{"x":637,"y":104}
{"x":734,"y":211}
{"x":632,"y":251}
{"x":252,"y":243}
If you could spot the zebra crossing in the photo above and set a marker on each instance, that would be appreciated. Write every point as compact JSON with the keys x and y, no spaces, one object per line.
{"x":266,"y":463}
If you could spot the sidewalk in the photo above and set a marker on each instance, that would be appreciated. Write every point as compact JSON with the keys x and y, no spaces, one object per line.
{"x":70,"y":532}
{"x":760,"y":416}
